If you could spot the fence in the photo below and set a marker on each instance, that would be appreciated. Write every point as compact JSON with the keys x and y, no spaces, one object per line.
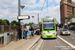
{"x":4,"y":28}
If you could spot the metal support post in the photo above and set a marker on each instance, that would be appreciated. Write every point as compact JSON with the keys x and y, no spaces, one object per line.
{"x":38,"y":18}
{"x":18,"y":19}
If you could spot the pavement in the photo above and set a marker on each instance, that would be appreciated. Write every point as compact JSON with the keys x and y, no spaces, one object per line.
{"x":23,"y":44}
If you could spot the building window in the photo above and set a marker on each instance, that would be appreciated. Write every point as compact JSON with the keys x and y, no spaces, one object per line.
{"x":73,"y":10}
{"x":69,"y":1}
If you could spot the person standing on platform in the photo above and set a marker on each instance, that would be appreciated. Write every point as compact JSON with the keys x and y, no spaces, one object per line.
{"x":25,"y":34}
{"x":29,"y":32}
{"x":31,"y":29}
{"x":20,"y":32}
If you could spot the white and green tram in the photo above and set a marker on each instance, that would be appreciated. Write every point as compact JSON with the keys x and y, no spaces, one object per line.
{"x":49,"y":28}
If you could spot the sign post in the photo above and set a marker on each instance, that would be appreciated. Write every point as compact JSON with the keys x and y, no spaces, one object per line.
{"x":23,"y":17}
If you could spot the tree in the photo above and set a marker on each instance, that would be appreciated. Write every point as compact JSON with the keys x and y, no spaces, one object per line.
{"x":70,"y":16}
{"x":30,"y":24}
{"x":1,"y":23}
{"x":5,"y":22}
{"x":14,"y":23}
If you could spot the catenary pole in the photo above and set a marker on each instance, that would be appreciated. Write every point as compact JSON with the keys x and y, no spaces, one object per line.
{"x":18,"y":19}
{"x":38,"y":18}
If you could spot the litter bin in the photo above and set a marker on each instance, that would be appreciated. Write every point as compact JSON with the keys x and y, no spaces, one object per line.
{"x":7,"y":37}
{"x":15,"y":38}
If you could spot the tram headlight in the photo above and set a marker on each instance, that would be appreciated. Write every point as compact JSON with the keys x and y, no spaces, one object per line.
{"x":44,"y":34}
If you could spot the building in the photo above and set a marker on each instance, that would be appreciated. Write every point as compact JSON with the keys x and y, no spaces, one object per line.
{"x":67,"y":7}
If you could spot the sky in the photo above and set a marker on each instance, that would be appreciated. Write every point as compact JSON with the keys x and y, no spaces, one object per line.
{"x":9,"y":9}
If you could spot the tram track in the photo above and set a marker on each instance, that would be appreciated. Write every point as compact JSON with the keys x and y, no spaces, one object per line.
{"x":55,"y":44}
{"x":41,"y":48}
{"x":46,"y":43}
{"x":60,"y":48}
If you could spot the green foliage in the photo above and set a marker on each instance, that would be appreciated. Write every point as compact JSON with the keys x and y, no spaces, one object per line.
{"x":14,"y":23}
{"x":7,"y":22}
{"x":30,"y":24}
{"x":1,"y":23}
{"x":4,"y":22}
{"x":70,"y":16}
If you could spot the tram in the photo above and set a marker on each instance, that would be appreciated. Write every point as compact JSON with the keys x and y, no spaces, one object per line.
{"x":48,"y":28}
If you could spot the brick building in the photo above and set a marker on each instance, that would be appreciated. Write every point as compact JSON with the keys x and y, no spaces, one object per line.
{"x":67,"y":7}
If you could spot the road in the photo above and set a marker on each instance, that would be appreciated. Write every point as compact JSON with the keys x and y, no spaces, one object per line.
{"x":61,"y":43}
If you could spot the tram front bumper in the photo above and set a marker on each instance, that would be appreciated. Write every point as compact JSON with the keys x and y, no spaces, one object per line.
{"x":48,"y":36}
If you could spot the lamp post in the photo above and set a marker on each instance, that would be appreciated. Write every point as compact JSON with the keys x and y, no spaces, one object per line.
{"x":33,"y":17}
{"x":38,"y":18}
{"x":18,"y":7}
{"x":18,"y":19}
{"x":22,"y":8}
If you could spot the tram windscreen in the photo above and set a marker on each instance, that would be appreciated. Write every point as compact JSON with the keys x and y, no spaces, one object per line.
{"x":48,"y":24}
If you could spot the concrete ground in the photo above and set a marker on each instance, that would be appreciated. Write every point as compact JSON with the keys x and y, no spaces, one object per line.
{"x":22,"y":44}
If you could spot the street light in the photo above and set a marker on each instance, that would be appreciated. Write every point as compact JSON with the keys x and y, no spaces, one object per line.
{"x":38,"y":18}
{"x":32,"y":16}
{"x":33,"y":19}
{"x":18,"y":19}
{"x":22,"y":8}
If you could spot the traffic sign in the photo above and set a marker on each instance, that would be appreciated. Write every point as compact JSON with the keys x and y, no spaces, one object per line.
{"x":24,"y":17}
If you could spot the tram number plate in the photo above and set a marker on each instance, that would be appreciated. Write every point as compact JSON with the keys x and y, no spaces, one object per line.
{"x":49,"y":36}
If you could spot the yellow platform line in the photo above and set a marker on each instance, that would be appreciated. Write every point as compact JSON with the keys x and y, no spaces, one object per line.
{"x":39,"y":45}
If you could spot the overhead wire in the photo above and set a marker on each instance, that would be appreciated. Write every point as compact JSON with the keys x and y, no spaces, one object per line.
{"x":43,"y":5}
{"x":47,"y":6}
{"x":45,"y":1}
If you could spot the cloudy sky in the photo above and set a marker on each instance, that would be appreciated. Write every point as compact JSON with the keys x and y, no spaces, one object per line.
{"x":9,"y":9}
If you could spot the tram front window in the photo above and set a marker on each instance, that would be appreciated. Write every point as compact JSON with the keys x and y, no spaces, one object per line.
{"x":49,"y":26}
